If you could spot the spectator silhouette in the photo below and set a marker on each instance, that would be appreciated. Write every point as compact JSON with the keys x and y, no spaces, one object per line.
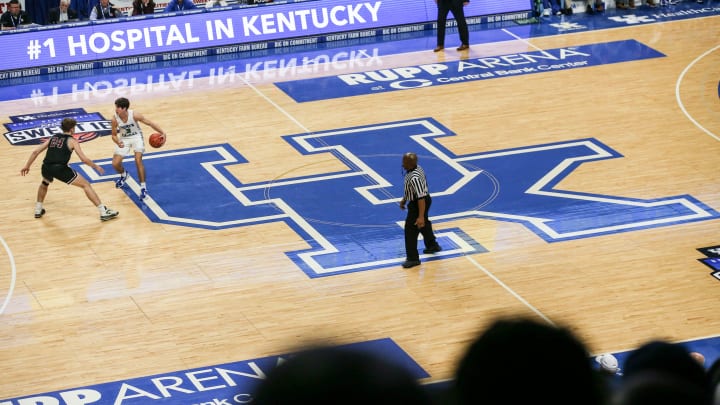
{"x":327,"y":375}
{"x":713,"y":373}
{"x":521,"y":361}
{"x":653,"y":387}
{"x":666,"y":358}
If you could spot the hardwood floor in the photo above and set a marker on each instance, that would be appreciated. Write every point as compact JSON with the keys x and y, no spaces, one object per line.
{"x":95,"y":302}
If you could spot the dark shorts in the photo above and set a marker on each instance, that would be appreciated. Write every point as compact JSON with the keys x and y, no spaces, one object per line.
{"x":59,"y":171}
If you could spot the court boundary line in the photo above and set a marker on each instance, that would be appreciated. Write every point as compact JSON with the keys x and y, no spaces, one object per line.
{"x":13,"y":275}
{"x":509,"y":290}
{"x":678,"y":97}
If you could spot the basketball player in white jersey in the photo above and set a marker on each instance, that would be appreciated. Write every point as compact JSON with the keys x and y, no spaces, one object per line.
{"x":128,"y":136}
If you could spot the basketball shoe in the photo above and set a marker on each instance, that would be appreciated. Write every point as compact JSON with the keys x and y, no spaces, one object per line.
{"x":108,"y":214}
{"x":121,"y":181}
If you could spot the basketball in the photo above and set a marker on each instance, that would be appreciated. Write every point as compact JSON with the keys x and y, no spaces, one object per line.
{"x":157,"y":140}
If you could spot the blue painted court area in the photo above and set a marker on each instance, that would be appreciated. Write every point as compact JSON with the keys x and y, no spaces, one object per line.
{"x":321,"y":208}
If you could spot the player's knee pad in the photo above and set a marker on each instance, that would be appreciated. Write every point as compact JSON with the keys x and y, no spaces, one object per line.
{"x":45,"y":183}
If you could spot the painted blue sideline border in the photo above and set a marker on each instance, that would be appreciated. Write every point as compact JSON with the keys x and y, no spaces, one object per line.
{"x":233,"y":383}
{"x":229,"y":383}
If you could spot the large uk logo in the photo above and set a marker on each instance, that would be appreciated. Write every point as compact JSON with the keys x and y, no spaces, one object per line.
{"x":351,"y":218}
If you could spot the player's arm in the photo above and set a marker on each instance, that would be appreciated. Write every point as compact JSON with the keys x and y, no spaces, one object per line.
{"x":32,"y":157}
{"x":141,"y":118}
{"x":75,"y":145}
{"x":114,"y":132}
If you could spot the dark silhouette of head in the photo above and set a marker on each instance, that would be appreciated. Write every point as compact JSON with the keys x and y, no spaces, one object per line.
{"x":667,"y":358}
{"x":651,"y":387}
{"x":521,"y":361}
{"x":327,"y":375}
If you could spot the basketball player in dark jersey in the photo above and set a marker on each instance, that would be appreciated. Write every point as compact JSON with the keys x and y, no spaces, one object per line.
{"x":55,"y":166}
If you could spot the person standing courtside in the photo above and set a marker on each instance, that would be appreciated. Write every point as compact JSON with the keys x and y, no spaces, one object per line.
{"x":418,"y":201}
{"x":55,"y":166}
{"x":456,"y":7}
{"x":127,"y":135}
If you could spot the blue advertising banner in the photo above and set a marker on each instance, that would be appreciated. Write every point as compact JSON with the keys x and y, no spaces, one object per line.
{"x":198,"y":29}
{"x":440,"y":73}
{"x":230,"y":383}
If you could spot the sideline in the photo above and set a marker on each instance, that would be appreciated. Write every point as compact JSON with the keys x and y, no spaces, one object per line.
{"x":13,"y":273}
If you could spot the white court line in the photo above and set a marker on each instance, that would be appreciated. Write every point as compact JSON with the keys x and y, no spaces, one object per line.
{"x":470,"y":258}
{"x":521,"y":39}
{"x":13,"y":273}
{"x":677,"y":92}
{"x":509,"y":290}
{"x":677,"y":85}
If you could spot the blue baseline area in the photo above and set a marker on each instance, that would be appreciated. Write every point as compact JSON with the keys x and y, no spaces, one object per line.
{"x":229,"y":383}
{"x":466,"y":70}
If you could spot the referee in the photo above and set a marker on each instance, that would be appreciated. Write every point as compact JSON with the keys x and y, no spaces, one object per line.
{"x":418,"y":201}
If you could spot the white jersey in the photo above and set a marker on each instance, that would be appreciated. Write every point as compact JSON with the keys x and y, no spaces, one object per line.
{"x":128,"y":128}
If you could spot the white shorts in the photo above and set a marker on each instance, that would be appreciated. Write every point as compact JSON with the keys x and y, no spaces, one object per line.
{"x":134,"y":143}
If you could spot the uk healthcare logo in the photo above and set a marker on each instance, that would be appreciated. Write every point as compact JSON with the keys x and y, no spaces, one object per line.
{"x":351,"y":218}
{"x":632,"y":19}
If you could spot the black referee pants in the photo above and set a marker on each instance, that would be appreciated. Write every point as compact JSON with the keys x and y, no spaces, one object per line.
{"x":412,"y":231}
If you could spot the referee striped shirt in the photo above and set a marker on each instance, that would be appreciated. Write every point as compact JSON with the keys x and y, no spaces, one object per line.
{"x":415,"y":184}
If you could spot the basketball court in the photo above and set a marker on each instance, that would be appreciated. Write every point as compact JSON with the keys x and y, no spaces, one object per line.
{"x":573,"y":170}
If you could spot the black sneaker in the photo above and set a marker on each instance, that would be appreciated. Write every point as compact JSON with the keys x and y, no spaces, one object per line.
{"x":39,"y":214}
{"x":410,"y":263}
{"x":433,"y":249}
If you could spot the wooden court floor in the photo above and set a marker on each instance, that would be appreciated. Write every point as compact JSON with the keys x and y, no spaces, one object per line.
{"x":96,"y":302}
